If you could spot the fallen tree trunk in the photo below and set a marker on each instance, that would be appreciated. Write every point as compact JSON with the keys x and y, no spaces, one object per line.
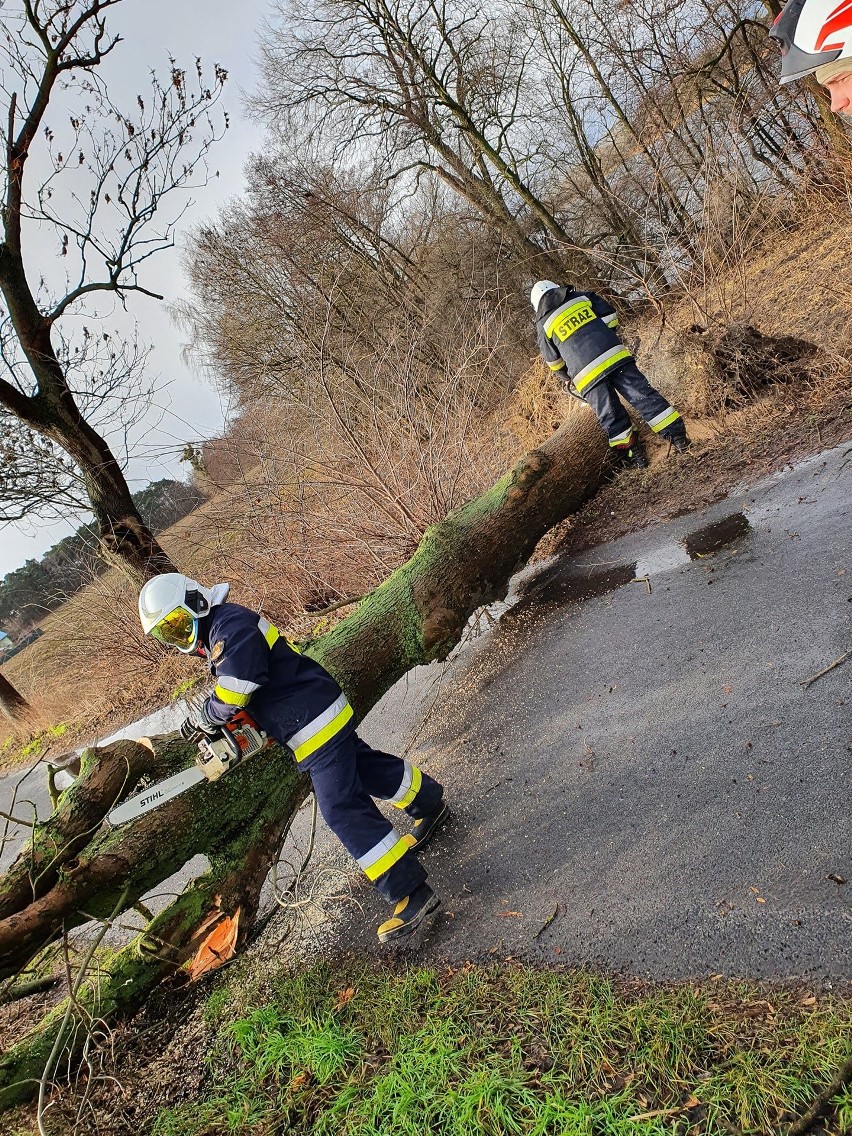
{"x":78,"y":868}
{"x":465,"y":561}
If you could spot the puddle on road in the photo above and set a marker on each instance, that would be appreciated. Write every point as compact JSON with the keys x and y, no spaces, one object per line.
{"x":555,"y":589}
{"x":706,"y":541}
{"x":662,"y":559}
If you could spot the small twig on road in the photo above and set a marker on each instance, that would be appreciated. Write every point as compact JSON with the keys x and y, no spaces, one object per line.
{"x":646,"y":580}
{"x":547,"y":921}
{"x":806,"y":682}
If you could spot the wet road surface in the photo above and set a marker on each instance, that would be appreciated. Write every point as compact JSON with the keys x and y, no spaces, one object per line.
{"x":639,"y":778}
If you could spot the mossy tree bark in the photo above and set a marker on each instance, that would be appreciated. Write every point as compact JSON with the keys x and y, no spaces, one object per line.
{"x":76,"y":867}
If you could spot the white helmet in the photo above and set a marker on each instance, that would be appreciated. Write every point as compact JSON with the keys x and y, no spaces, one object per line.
{"x":171,"y":605}
{"x":812,"y":33}
{"x":539,"y":289}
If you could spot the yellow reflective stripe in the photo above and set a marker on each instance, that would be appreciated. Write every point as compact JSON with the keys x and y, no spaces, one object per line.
{"x":622,"y":439}
{"x":568,"y":308}
{"x":611,"y":321}
{"x":557,"y":366}
{"x":387,"y":861}
{"x":589,"y":374}
{"x":663,"y":423}
{"x":413,"y":790}
{"x":270,"y":633}
{"x":571,"y":321}
{"x":313,"y":743}
{"x":231,"y":697}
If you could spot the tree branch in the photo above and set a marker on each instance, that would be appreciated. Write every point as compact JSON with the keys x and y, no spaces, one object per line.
{"x":97,"y":286}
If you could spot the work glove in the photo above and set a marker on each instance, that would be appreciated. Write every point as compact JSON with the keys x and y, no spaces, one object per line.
{"x":198,"y":726}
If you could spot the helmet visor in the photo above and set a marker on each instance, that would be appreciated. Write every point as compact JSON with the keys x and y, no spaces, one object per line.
{"x":177,"y":629}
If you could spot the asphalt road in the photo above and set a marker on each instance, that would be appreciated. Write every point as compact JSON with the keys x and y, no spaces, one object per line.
{"x":639,"y":779}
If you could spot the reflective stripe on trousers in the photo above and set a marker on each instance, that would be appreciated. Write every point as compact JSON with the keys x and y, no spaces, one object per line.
{"x":321,"y":730}
{"x":622,"y":439}
{"x":597,"y":367}
{"x":663,"y":419}
{"x":383,"y":856}
{"x":409,"y":787}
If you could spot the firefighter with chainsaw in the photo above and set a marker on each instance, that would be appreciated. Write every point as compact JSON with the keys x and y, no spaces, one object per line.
{"x":815,"y":38}
{"x":578,"y":340}
{"x":294,"y":700}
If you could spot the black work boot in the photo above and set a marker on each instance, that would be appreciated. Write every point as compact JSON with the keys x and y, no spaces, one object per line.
{"x":409,"y":913}
{"x":426,"y":827}
{"x":635,"y":457}
{"x":680,"y":443}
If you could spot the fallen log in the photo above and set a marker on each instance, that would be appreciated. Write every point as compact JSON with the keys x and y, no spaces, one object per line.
{"x":77,"y":868}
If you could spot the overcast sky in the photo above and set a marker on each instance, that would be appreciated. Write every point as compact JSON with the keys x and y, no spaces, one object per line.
{"x":186,"y":407}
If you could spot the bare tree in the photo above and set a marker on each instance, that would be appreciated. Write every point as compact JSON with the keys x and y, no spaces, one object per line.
{"x":100,"y":185}
{"x":437,"y":88}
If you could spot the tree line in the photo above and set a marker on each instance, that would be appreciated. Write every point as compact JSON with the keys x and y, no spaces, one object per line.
{"x":428,"y":160}
{"x":366,"y":297}
{"x":28,"y":593}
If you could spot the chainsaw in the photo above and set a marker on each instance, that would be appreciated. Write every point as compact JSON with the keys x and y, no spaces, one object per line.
{"x":237,"y":740}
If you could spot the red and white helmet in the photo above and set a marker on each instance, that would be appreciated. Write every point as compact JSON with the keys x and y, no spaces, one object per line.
{"x":812,"y":33}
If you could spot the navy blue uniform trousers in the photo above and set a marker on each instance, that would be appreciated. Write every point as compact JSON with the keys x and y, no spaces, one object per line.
{"x":347,"y":774}
{"x":629,"y":382}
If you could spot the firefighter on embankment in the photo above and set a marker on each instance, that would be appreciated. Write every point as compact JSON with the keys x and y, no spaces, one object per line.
{"x":577,"y":338}
{"x":297,"y":702}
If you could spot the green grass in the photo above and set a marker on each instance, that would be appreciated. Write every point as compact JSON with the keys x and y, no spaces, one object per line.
{"x":511,"y":1052}
{"x":184,"y":687}
{"x":15,"y":753}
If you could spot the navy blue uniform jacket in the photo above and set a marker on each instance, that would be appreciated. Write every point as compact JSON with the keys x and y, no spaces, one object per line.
{"x":256,"y":667}
{"x":577,"y":336}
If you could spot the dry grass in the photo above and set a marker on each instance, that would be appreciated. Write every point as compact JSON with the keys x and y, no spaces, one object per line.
{"x":792,"y":276}
{"x":293,"y":534}
{"x":310,"y":515}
